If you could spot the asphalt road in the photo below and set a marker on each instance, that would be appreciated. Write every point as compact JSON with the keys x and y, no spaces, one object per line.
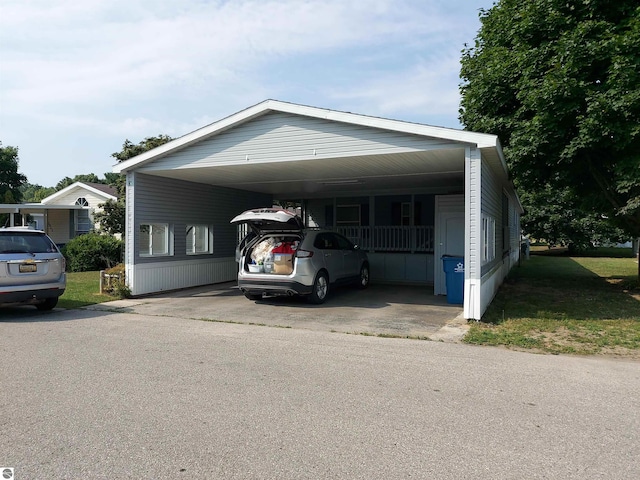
{"x":100,"y":395}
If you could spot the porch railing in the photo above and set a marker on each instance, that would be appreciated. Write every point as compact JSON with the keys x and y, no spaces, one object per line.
{"x":391,"y":238}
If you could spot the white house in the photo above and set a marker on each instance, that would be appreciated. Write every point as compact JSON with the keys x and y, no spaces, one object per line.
{"x":65,"y":214}
{"x":407,"y":193}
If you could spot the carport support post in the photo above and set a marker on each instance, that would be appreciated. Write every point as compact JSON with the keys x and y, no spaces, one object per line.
{"x":473,"y":233}
{"x":130,"y":232}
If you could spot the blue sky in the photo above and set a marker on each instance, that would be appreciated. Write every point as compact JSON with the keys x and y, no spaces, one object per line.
{"x":77,"y":78}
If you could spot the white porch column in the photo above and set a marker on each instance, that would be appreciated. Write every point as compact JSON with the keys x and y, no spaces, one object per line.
{"x":372,"y":221}
{"x":130,"y":233}
{"x":473,"y":233}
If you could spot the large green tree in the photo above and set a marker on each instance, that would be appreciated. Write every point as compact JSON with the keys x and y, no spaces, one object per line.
{"x":559,"y":82}
{"x":10,"y":179}
{"x":112,"y":219}
{"x":35,"y":193}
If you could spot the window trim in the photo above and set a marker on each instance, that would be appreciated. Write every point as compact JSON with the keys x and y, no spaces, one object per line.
{"x":488,"y":239}
{"x":345,"y":208}
{"x":167,"y":239}
{"x":208,"y":237}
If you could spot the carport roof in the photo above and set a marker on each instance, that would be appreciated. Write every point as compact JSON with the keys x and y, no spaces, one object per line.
{"x":483,"y":141}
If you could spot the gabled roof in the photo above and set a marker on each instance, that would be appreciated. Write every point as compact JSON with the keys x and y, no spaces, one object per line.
{"x":106,"y":191}
{"x":481,"y":140}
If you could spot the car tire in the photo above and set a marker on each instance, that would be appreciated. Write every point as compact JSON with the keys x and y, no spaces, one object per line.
{"x":363,"y":279}
{"x":253,"y":296}
{"x":48,"y":304}
{"x":320,"y":289}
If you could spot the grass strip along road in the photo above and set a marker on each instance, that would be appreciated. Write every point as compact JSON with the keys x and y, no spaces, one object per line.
{"x":561,"y":304}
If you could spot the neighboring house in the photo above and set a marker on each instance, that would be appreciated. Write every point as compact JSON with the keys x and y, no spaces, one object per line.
{"x":65,"y":214}
{"x":407,"y":193}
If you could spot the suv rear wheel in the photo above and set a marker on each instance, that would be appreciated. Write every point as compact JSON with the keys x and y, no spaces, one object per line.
{"x":320,"y":289}
{"x":48,"y":304}
{"x":363,"y":280}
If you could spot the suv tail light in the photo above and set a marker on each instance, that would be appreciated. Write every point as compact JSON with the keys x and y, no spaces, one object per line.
{"x":303,"y":253}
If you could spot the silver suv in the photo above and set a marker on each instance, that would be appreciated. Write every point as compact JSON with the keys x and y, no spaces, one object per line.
{"x":281,"y":257}
{"x":32,"y":269}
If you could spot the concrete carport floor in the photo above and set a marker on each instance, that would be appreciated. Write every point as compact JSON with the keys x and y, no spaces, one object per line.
{"x":390,"y":310}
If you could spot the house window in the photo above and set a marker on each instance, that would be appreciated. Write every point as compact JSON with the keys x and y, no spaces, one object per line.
{"x":83,"y":222}
{"x":488,"y":239}
{"x":82,"y":217}
{"x":405,"y":212}
{"x":154,"y":239}
{"x":401,"y":213}
{"x":348,"y":215}
{"x":198,"y":240}
{"x":506,"y":230}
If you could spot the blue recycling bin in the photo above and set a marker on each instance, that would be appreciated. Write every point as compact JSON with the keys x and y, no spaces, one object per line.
{"x":454,"y":272}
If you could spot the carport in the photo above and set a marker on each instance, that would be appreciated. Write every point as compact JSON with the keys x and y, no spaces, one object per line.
{"x":407,"y":193}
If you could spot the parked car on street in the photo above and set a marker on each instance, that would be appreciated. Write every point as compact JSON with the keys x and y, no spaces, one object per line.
{"x":32,"y":269}
{"x":282,"y":257}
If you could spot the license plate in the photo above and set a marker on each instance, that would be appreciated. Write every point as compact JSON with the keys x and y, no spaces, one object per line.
{"x":27,"y":267}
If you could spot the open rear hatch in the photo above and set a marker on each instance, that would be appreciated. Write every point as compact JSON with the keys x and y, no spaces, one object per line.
{"x":277,"y":235}
{"x":266,"y":220}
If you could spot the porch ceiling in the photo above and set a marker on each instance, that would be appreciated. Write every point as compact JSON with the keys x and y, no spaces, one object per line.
{"x":333,"y":176}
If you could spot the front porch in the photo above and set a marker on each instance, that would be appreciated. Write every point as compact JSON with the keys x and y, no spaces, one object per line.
{"x":396,"y":231}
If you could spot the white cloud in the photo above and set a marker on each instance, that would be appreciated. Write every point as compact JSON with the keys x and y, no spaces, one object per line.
{"x":84,"y":52}
{"x":103,"y":70}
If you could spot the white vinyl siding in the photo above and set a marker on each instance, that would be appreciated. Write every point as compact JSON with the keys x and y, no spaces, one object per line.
{"x":57,"y":226}
{"x":72,"y":196}
{"x":492,"y":209}
{"x":285,"y":137}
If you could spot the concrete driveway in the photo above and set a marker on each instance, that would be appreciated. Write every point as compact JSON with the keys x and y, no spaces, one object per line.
{"x":379,"y":310}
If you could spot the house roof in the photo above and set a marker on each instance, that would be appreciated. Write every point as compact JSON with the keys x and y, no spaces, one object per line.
{"x":106,"y":191}
{"x":481,"y":140}
{"x":352,"y":171}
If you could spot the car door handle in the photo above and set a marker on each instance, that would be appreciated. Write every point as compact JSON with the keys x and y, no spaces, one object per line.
{"x":327,"y":254}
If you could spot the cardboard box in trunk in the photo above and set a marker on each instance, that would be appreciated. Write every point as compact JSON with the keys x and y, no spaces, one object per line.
{"x":282,"y":263}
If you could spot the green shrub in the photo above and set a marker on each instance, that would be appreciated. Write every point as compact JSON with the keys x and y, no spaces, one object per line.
{"x":92,"y":252}
{"x":114,"y":282}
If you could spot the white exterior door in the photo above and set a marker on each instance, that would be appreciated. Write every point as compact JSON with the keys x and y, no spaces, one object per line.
{"x":449,"y":235}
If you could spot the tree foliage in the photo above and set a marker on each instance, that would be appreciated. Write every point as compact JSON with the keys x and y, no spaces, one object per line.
{"x":86,"y":178}
{"x":559,"y":83}
{"x":10,"y":179}
{"x":35,"y":193}
{"x":112,"y":219}
{"x":553,"y":216}
{"x":130,"y":150}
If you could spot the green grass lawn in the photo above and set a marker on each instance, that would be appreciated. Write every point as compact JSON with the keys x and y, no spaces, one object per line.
{"x":560,"y":304}
{"x":83,"y":288}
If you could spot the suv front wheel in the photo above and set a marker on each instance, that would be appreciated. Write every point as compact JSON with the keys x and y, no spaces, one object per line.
{"x":320,"y":289}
